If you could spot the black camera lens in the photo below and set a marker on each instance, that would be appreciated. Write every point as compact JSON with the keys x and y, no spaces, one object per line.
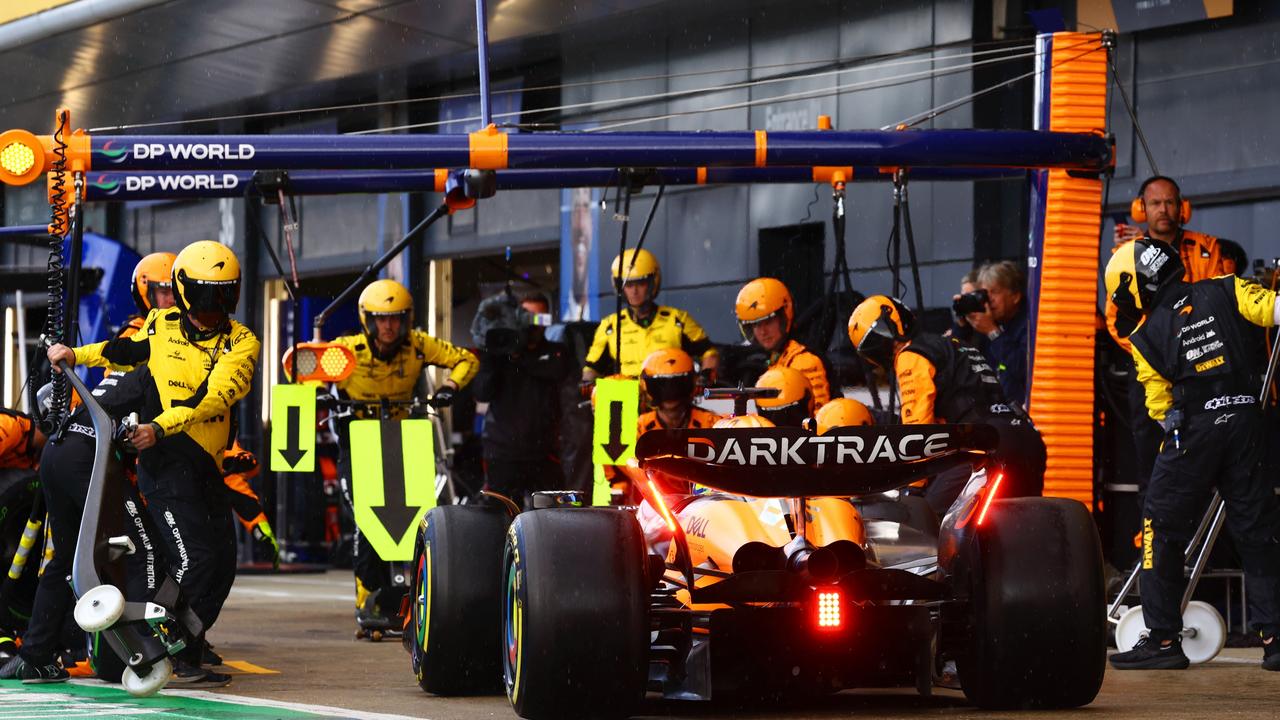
{"x":970,"y":302}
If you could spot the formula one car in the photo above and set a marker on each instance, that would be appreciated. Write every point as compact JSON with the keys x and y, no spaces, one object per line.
{"x":773,"y":582}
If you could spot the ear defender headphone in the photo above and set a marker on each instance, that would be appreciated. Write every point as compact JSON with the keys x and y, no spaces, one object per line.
{"x":1138,"y":210}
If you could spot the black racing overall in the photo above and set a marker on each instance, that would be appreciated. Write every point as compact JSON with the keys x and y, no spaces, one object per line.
{"x":1196,"y":339}
{"x":968,"y":392}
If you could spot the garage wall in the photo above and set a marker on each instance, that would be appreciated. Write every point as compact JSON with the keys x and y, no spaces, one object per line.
{"x":1206,"y":97}
{"x":706,"y":237}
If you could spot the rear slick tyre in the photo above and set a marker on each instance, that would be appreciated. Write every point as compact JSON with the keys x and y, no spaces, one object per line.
{"x":575,"y":614}
{"x":453,"y":634}
{"x":1037,"y":604}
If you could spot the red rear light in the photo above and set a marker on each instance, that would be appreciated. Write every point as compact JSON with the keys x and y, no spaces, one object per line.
{"x":990,"y":495}
{"x":828,"y":610}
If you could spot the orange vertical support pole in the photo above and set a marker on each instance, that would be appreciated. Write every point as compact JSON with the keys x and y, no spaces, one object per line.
{"x":1066,"y":219}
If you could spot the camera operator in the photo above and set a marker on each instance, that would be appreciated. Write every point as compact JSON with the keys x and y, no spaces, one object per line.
{"x":959,"y":325}
{"x":520,"y":376}
{"x":995,"y":317}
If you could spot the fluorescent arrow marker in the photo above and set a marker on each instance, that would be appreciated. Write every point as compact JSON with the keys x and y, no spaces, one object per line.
{"x":291,"y":452}
{"x":395,"y":514}
{"x":615,"y":447}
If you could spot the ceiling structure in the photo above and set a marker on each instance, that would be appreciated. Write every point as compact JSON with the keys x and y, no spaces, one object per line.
{"x":154,"y":60}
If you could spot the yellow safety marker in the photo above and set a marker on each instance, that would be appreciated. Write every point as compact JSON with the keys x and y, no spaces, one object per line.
{"x":617,"y":402}
{"x":249,"y":668}
{"x":293,"y":428}
{"x":393,"y":481}
{"x":601,"y":490}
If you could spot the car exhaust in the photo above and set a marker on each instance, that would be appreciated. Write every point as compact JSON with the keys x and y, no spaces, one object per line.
{"x":758,"y":556}
{"x":827,"y":563}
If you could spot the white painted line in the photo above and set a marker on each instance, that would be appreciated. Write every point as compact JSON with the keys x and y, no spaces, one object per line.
{"x":294,"y":596}
{"x":280,"y":704}
{"x":286,"y":580}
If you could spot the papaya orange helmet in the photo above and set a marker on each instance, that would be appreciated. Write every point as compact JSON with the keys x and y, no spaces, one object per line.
{"x":876,"y":324}
{"x":794,"y":401}
{"x":151,"y":273}
{"x":743,"y":421}
{"x":760,"y":300}
{"x":668,"y":374}
{"x":842,"y":412}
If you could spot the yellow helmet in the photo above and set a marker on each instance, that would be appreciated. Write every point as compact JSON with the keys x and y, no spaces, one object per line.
{"x":876,"y":324}
{"x":743,"y":421}
{"x":633,"y":266}
{"x":206,"y":279}
{"x":1137,"y":271}
{"x":761,"y":299}
{"x":151,"y":272}
{"x":794,"y":401}
{"x":385,"y":298}
{"x":842,"y":412}
{"x":668,"y":374}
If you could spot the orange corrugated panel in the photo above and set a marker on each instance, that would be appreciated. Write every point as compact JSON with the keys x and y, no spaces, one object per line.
{"x":1062,"y":379}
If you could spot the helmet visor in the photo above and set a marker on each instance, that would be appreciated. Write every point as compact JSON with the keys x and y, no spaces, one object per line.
{"x":662,"y":388}
{"x":789,"y":415}
{"x":374,"y":332}
{"x":747,"y":327}
{"x":211,"y":296}
{"x":877,"y":344}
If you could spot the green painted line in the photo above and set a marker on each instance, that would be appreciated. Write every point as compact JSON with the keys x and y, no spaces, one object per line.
{"x":76,"y":700}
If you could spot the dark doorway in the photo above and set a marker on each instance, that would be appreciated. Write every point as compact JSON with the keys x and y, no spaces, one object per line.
{"x":794,"y":254}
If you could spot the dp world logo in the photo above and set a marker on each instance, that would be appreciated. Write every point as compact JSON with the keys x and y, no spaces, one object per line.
{"x":106,"y":185}
{"x":112,"y":153}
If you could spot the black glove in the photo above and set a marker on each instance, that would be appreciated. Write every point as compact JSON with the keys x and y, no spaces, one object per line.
{"x":442,"y":398}
{"x":241,"y":462}
{"x":708,"y":377}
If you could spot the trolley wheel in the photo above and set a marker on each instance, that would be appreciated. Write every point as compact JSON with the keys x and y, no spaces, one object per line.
{"x":99,"y":608}
{"x":376,"y":636}
{"x":1130,"y":628}
{"x":1204,"y":633}
{"x":149,"y":684}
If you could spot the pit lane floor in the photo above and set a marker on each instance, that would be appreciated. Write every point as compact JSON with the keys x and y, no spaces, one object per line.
{"x":290,"y":645}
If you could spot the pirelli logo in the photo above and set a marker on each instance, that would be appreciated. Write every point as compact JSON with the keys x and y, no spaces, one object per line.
{"x":1210,"y":364}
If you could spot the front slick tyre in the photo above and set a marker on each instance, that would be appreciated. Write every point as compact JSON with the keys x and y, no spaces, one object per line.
{"x":453,"y":634}
{"x":1038,"y":627}
{"x":575,"y":614}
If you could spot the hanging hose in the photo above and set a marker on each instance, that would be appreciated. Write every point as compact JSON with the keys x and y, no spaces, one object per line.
{"x":54,"y":328}
{"x":625,"y":217}
{"x":900,"y":187}
{"x":832,"y":310}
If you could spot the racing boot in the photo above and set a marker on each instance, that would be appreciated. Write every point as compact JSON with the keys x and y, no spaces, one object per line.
{"x":8,"y":646}
{"x":1270,"y":653}
{"x":194,"y":677}
{"x":1152,"y":653}
{"x":210,"y":657}
{"x":19,"y":669}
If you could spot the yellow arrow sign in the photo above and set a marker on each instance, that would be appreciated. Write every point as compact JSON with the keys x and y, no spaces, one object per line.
{"x":617,"y":408}
{"x":393,"y":481}
{"x":293,"y":428}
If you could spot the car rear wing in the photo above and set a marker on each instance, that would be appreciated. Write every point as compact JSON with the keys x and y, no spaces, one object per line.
{"x":791,"y":462}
